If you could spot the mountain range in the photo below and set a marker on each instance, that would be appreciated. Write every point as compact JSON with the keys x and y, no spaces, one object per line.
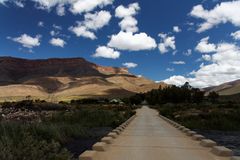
{"x":64,"y":79}
{"x":229,"y":88}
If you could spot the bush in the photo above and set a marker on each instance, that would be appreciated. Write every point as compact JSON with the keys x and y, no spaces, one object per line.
{"x":90,"y":117}
{"x":206,"y":117}
{"x":213,"y":97}
{"x":45,"y":139}
{"x":26,"y":147}
{"x":90,"y":101}
{"x":34,"y":105}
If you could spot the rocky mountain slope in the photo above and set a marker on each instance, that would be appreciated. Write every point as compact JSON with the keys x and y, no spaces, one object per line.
{"x":61,"y":79}
{"x":229,"y":88}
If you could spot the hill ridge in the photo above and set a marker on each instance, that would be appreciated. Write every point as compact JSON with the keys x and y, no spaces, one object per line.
{"x":228,"y":88}
{"x":61,"y":78}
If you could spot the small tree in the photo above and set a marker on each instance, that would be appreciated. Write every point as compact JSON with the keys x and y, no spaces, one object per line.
{"x":186,"y":86}
{"x":186,"y":90}
{"x":213,"y":96}
{"x":136,"y":99}
{"x":197,"y":95}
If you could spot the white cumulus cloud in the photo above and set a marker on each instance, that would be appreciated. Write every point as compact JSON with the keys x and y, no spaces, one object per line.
{"x":54,"y":33}
{"x":206,"y":57}
{"x":130,"y":65}
{"x":97,"y":20}
{"x":176,"y":29}
{"x":82,"y":31}
{"x":188,"y":52}
{"x":223,"y":67}
{"x":47,"y":4}
{"x":128,"y":22}
{"x":132,"y":42}
{"x":106,"y":52}
{"x":236,"y":35}
{"x":91,"y":23}
{"x":131,"y":10}
{"x":167,"y":42}
{"x":205,"y":47}
{"x":170,"y":69}
{"x":57,"y":27}
{"x":18,"y":3}
{"x":60,"y":10}
{"x":178,"y":62}
{"x":80,"y":6}
{"x":176,"y":80}
{"x":57,"y":42}
{"x":75,"y":6}
{"x":3,"y":1}
{"x":221,"y":13}
{"x":27,"y":41}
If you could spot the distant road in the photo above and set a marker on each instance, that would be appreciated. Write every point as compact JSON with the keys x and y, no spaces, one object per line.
{"x":149,"y":137}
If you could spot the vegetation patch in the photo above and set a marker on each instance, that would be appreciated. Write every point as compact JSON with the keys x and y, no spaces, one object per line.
{"x":223,"y":117}
{"x":51,"y":131}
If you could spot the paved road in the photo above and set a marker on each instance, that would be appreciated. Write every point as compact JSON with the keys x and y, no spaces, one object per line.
{"x":149,"y":137}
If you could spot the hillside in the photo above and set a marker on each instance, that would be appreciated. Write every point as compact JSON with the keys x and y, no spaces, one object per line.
{"x":229,"y":88}
{"x":61,"y":79}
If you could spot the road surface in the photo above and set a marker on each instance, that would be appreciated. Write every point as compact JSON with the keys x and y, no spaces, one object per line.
{"x":148,"y":137}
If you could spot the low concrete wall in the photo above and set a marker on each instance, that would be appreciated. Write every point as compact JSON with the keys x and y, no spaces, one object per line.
{"x":216,"y":150}
{"x":105,"y":141}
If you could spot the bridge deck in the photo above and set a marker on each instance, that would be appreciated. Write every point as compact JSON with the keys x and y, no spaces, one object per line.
{"x":149,"y":137}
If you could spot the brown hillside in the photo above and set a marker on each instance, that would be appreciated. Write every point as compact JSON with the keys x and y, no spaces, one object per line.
{"x":58,"y":79}
{"x":229,"y":88}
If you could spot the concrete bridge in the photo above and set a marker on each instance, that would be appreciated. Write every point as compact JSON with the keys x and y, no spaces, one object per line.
{"x":150,"y":137}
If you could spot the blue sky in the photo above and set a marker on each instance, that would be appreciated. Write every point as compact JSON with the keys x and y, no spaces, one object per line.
{"x":195,"y":41}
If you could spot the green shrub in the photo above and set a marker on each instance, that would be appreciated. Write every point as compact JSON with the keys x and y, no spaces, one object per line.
{"x":26,"y":147}
{"x":208,"y":117}
{"x":45,"y":139}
